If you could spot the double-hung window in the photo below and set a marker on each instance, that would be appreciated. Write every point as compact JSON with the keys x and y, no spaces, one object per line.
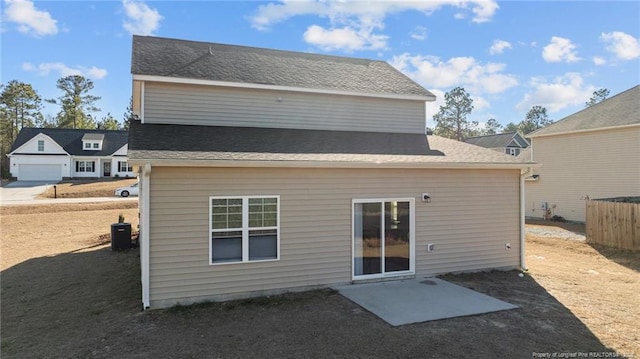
{"x":244,"y":229}
{"x":40,"y":145}
{"x":85,"y":166}
{"x":123,"y":166}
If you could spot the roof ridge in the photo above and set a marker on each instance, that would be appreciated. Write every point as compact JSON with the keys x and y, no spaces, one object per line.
{"x":264,"y":49}
{"x":495,"y":134}
{"x":71,"y":129}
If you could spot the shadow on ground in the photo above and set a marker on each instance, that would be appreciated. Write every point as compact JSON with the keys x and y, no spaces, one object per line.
{"x":87,"y":303}
{"x":623,"y":257}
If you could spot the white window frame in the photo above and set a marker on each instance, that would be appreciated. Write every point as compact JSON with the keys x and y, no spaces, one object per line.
{"x":127,"y":167}
{"x":82,"y":166}
{"x":245,"y":229}
{"x":513,"y":151}
{"x":40,"y":145}
{"x":92,"y":145}
{"x":412,"y":238}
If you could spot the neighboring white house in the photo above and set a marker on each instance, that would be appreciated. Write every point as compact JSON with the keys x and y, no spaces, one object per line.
{"x":592,"y":153}
{"x":263,"y":171}
{"x":511,"y":143}
{"x":51,"y":154}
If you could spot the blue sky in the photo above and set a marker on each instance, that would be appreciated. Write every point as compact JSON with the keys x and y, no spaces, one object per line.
{"x":508,"y":55}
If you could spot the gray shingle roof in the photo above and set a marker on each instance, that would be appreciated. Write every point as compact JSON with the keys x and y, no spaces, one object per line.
{"x":71,"y":140}
{"x":194,"y":143}
{"x":495,"y":141}
{"x":619,"y":110}
{"x":208,"y":61}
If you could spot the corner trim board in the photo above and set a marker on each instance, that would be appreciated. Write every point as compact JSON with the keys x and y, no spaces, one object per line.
{"x":145,"y":178}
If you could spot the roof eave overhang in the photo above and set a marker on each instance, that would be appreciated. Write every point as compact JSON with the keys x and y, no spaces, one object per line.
{"x":534,"y":135}
{"x":188,"y":81}
{"x":328,"y":164}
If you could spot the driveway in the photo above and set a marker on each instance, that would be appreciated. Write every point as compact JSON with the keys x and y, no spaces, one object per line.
{"x":21,"y":191}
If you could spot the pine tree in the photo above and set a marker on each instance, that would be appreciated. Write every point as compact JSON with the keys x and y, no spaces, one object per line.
{"x":76,"y":102}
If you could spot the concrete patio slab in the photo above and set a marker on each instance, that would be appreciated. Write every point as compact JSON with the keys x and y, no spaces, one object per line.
{"x":419,"y":300}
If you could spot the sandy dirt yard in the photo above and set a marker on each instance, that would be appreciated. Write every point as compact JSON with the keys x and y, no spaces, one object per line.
{"x":80,"y":188}
{"x":66,"y":294}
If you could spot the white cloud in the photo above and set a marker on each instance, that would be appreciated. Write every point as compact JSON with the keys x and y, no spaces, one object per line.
{"x":561,"y":92}
{"x":458,"y":71}
{"x":560,"y":49}
{"x":623,"y":45}
{"x":358,"y":19}
{"x":419,"y":33}
{"x":498,"y":47}
{"x":480,"y":103}
{"x":141,"y":19}
{"x":63,"y":70}
{"x":346,"y":38}
{"x":599,"y":60}
{"x":29,"y":19}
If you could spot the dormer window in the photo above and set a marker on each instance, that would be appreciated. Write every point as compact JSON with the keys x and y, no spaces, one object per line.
{"x":92,"y":141}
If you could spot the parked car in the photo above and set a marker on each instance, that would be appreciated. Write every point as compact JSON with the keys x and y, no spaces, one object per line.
{"x":127,"y":191}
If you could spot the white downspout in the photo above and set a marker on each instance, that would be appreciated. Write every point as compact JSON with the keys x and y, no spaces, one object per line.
{"x":523,"y":264}
{"x":144,"y":231}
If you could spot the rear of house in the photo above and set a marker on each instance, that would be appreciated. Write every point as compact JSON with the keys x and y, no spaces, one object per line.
{"x":250,"y":189}
{"x":593,"y":154}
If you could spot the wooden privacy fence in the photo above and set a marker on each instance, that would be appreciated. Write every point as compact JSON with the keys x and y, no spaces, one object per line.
{"x":613,"y":224}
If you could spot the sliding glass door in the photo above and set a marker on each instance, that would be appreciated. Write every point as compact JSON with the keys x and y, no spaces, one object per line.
{"x":383,"y":238}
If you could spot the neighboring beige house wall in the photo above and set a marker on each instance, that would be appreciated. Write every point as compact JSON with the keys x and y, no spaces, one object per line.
{"x":226,"y":106}
{"x":598,"y":164}
{"x":473,"y":214}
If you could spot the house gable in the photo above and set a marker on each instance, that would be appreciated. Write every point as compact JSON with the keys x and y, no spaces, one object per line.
{"x":122,"y":151}
{"x":40,"y":144}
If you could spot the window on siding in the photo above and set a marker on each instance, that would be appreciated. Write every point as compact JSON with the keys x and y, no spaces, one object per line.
{"x":40,"y":145}
{"x":123,"y":166}
{"x":85,"y":166}
{"x":92,"y":146}
{"x":244,"y":229}
{"x":512,"y":151}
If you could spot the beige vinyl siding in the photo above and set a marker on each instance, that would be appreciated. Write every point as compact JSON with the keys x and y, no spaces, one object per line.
{"x":597,"y":164}
{"x":223,"y":106}
{"x":472,"y":215}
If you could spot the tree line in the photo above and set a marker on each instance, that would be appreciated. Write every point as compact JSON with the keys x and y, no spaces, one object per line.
{"x":21,"y":106}
{"x":451,"y":120}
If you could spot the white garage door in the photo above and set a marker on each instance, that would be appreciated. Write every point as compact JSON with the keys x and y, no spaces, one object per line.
{"x":40,"y":173}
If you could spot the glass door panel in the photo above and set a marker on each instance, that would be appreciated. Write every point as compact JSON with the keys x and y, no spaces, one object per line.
{"x":382,"y":237}
{"x":397,"y":236}
{"x":367,"y":238}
